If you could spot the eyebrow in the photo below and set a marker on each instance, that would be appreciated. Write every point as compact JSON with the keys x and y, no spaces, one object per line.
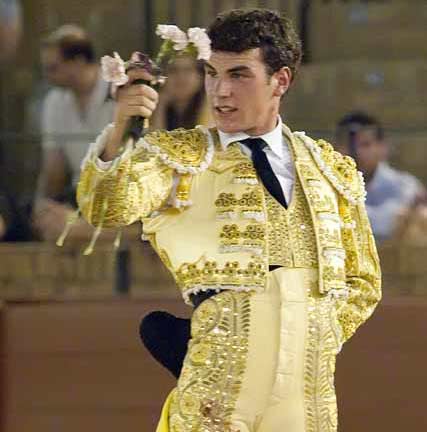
{"x":231,"y":70}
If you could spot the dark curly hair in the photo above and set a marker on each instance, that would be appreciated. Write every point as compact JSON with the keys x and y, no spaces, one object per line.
{"x":243,"y":29}
{"x":73,"y":42}
{"x":360,"y":119}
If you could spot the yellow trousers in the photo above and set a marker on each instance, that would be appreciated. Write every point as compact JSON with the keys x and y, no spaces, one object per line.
{"x":246,"y":367}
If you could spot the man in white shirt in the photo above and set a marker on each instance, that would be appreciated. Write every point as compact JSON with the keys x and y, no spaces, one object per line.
{"x":74,"y":111}
{"x":389,"y":191}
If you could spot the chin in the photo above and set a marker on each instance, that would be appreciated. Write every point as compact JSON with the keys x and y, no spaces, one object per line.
{"x":228,"y":127}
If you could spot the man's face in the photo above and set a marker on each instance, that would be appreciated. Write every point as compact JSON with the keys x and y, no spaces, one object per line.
{"x":55,"y":68}
{"x":241,"y":95}
{"x":370,"y":150}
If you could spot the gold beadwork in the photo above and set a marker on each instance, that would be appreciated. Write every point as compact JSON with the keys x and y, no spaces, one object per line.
{"x":250,"y":238}
{"x":245,"y":172}
{"x":249,"y":202}
{"x":291,"y":236}
{"x":210,"y":275}
{"x":183,"y":188}
{"x":363,"y":274}
{"x":213,"y":369}
{"x":333,"y":277}
{"x":322,"y":346}
{"x":134,"y":189}
{"x":183,"y":147}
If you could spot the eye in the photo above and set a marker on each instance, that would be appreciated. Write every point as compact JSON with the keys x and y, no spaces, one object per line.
{"x":211,"y":73}
{"x":236,"y":75}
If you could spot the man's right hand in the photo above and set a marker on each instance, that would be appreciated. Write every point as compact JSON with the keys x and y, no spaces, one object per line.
{"x":132,"y":100}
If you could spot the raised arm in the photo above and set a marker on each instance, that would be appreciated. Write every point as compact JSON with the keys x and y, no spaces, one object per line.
{"x":121,"y":183}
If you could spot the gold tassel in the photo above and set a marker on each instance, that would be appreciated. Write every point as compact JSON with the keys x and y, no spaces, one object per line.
{"x":98,"y":230}
{"x":183,"y":187}
{"x":71,"y":220}
{"x":93,"y":240}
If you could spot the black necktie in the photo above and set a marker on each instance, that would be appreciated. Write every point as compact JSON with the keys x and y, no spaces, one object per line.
{"x":264,"y":170}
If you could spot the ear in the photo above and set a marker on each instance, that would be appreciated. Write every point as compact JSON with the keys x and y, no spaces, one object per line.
{"x":282,"y":81}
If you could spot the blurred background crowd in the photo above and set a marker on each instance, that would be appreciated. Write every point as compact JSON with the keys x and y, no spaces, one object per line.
{"x":362,"y":86}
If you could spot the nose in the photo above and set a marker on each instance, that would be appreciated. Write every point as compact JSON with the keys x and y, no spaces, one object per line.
{"x":223,"y":88}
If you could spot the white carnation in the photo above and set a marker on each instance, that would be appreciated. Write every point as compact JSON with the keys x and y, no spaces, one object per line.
{"x":173,"y":33}
{"x":114,"y":70}
{"x":199,"y":38}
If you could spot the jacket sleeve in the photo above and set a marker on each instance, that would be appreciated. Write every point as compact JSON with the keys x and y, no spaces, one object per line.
{"x":363,"y":273}
{"x":116,"y":194}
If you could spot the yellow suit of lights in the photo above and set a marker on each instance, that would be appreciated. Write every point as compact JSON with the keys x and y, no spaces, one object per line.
{"x":266,"y":344}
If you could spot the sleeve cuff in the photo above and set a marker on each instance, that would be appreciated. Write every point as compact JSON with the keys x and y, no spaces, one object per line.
{"x":96,"y":148}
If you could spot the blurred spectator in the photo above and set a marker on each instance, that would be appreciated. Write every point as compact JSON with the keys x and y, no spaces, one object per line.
{"x":10,"y":28}
{"x":74,"y":112}
{"x":389,"y":191}
{"x":182,"y":99}
{"x":14,"y":215}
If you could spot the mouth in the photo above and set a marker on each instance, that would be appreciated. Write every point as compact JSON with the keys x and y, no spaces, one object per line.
{"x":225,"y":109}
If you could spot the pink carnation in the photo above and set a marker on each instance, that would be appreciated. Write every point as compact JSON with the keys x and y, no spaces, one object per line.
{"x":114,"y":70}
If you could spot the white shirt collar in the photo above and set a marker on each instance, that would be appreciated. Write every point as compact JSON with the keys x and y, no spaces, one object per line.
{"x":273,"y":138}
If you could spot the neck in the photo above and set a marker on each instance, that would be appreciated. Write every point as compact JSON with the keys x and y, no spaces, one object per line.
{"x":268,"y":125}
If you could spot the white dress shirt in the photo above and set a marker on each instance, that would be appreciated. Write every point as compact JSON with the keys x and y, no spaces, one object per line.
{"x":277,"y":151}
{"x":64,"y":128}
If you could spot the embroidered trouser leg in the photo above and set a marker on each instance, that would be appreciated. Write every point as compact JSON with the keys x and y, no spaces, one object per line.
{"x":210,"y":380}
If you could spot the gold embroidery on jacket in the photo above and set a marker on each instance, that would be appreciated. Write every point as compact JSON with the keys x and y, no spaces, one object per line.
{"x":249,"y":205}
{"x":245,"y":172}
{"x":291,"y":237}
{"x":184,"y":147}
{"x":248,"y":239}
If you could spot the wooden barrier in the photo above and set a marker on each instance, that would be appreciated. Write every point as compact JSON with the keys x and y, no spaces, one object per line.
{"x":80,"y":366}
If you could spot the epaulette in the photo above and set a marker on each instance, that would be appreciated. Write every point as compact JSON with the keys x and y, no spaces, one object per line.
{"x":340,"y":170}
{"x":188,"y":151}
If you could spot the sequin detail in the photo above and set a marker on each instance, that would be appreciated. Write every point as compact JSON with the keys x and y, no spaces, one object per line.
{"x":141,"y":185}
{"x":323,"y":343}
{"x":291,"y":236}
{"x":186,"y":151}
{"x":248,"y":239}
{"x":249,"y":205}
{"x":213,"y":369}
{"x":195,"y":277}
{"x":245,"y":173}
